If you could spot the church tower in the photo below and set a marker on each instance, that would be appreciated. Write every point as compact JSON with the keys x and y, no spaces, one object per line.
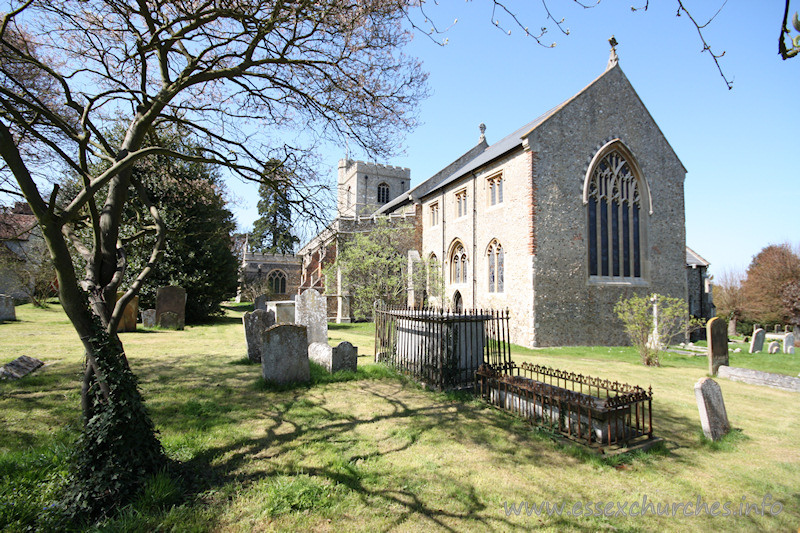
{"x":364,"y":187}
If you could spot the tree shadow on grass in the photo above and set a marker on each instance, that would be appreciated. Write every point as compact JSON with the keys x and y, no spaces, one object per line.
{"x":303,"y":434}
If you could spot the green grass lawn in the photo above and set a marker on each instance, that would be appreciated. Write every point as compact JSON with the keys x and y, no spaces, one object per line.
{"x":371,"y":451}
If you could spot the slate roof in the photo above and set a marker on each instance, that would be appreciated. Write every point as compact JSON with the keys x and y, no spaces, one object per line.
{"x":693,"y":259}
{"x":481,"y":157}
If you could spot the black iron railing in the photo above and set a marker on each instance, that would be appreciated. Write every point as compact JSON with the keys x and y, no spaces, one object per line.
{"x":442,"y":349}
{"x":592,"y":411}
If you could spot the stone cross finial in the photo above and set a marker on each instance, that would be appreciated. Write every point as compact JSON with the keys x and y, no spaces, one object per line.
{"x":482,"y":127}
{"x":613,"y":58}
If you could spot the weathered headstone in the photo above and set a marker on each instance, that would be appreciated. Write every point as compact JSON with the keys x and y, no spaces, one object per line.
{"x":284,"y":357}
{"x":128,"y":321}
{"x":171,"y":300}
{"x":19,"y":367}
{"x":717,"y":336}
{"x":7,"y":311}
{"x":787,"y":328}
{"x":732,"y":327}
{"x":774,"y":347}
{"x":788,"y":343}
{"x":256,"y":325}
{"x":713,"y":416}
{"x":777,"y":328}
{"x":284,"y":311}
{"x":311,"y":311}
{"x":169,"y":320}
{"x":149,"y":318}
{"x":757,"y":342}
{"x":260,"y":302}
{"x":334,"y":358}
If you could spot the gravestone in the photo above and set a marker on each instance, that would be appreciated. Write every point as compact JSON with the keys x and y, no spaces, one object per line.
{"x":787,"y":328}
{"x":757,"y":342}
{"x":260,"y":302}
{"x":717,"y":336}
{"x":7,"y":311}
{"x":732,"y":327}
{"x":311,"y":311}
{"x":788,"y":343}
{"x":284,"y":311}
{"x":149,"y":318}
{"x":774,"y":347}
{"x":169,"y":320}
{"x":334,"y":358}
{"x":171,"y":300}
{"x":256,"y":325}
{"x":128,"y":320}
{"x":19,"y":367}
{"x":777,"y":328}
{"x":284,"y":356}
{"x":713,"y":416}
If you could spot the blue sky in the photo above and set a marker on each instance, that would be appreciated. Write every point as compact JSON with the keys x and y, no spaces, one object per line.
{"x":739,"y":146}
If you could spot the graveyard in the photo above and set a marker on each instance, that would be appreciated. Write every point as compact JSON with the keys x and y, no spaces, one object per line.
{"x":372,"y":450}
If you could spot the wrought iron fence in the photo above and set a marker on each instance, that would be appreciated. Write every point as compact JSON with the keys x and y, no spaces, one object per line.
{"x":593,"y":411}
{"x":442,"y":349}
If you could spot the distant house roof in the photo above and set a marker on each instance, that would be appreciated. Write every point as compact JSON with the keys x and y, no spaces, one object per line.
{"x":16,"y":223}
{"x":694,"y":260}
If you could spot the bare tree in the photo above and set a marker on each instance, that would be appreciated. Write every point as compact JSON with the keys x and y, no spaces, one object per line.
{"x":729,"y":298}
{"x":239,"y":76}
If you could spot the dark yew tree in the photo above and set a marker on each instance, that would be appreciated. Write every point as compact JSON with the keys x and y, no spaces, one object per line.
{"x":236,"y":76}
{"x":272,"y":230}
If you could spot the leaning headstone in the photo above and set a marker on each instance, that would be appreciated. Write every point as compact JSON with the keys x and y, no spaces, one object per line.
{"x":788,"y":343}
{"x":284,"y":356}
{"x":717,"y":335}
{"x":171,"y":300}
{"x":260,"y":302}
{"x":757,"y":342}
{"x":7,"y":311}
{"x":256,"y":325}
{"x":334,"y":358}
{"x":311,"y":311}
{"x":713,"y":416}
{"x":19,"y":367}
{"x":774,"y":347}
{"x":128,"y":321}
{"x":149,"y":318}
{"x":169,"y":320}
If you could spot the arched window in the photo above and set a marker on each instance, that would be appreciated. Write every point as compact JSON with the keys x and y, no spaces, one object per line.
{"x":615,"y":196}
{"x":277,"y":282}
{"x":349,"y":197}
{"x":494,"y":255}
{"x":383,"y":193}
{"x":458,"y":264}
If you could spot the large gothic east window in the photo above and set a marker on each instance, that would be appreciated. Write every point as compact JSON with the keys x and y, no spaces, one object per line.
{"x":617,"y":200}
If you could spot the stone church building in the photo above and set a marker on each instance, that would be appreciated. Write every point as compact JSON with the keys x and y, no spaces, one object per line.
{"x":556,"y":221}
